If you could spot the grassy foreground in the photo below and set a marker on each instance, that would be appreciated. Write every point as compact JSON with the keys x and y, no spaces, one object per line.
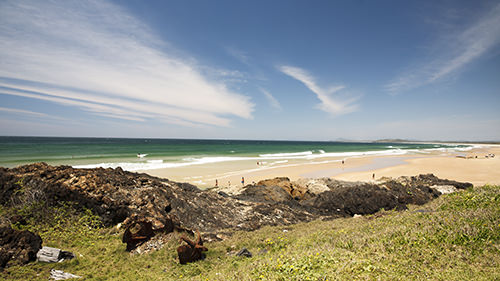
{"x":455,"y":237}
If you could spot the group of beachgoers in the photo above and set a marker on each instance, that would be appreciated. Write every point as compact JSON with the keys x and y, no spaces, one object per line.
{"x":258,"y":164}
{"x":229,"y":182}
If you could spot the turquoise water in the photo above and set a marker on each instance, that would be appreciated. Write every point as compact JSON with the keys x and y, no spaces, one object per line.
{"x":165,"y":153}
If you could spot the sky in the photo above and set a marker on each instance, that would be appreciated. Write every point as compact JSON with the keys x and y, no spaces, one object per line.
{"x":267,"y":70}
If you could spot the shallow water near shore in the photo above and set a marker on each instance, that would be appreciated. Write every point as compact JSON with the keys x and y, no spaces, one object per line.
{"x":172,"y":153}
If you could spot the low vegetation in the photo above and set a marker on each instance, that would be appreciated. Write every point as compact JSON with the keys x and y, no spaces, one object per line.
{"x":455,"y":237}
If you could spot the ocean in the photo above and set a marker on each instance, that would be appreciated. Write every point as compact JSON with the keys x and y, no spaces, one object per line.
{"x":173,"y":153}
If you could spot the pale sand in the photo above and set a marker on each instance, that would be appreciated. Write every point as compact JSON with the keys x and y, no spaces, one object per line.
{"x":444,"y":165}
{"x":478,"y":171}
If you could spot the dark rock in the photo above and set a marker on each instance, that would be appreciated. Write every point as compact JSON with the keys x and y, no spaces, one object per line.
{"x":192,"y":251}
{"x":4,"y":258}
{"x":66,"y":255}
{"x":223,"y":194}
{"x":244,"y":253}
{"x":361,"y":199}
{"x":264,"y":194}
{"x":163,"y":206}
{"x":18,"y":247}
{"x":430,"y":180}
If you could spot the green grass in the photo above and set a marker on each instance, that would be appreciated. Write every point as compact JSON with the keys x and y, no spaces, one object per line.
{"x":457,"y":238}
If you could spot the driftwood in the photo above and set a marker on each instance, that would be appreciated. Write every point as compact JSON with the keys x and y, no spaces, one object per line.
{"x":49,"y":254}
{"x":61,"y":275}
{"x":191,"y":252}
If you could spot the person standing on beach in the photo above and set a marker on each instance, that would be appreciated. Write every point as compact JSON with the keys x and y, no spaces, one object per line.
{"x":216,"y":183}
{"x":242,"y":181}
{"x":373,"y":176}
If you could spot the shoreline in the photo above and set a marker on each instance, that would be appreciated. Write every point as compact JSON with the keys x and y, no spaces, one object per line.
{"x":443,"y":164}
{"x":478,"y":171}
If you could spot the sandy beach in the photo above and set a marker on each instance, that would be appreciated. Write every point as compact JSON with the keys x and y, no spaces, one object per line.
{"x":461,"y":166}
{"x":478,"y":171}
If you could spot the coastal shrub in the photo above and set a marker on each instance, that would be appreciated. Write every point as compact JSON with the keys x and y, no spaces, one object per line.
{"x":25,"y":195}
{"x":65,"y":223}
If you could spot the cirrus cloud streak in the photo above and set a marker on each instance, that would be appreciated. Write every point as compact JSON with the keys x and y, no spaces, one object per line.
{"x":461,"y":48}
{"x":96,"y":56}
{"x":329,"y":103}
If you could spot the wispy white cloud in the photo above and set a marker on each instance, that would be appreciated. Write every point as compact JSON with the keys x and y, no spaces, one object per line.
{"x":460,"y":49}
{"x":271,"y":99}
{"x":23,"y":112}
{"x":96,"y":56}
{"x":329,"y":103}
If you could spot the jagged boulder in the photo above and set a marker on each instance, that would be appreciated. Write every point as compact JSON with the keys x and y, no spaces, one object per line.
{"x":426,"y":180}
{"x":18,"y":247}
{"x":315,"y":186}
{"x":361,"y":199}
{"x":296,"y":191}
{"x":113,"y":194}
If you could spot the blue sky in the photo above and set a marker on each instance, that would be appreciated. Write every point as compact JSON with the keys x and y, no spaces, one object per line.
{"x":294,"y":70}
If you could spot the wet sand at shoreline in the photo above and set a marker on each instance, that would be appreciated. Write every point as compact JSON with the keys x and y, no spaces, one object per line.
{"x":478,"y":171}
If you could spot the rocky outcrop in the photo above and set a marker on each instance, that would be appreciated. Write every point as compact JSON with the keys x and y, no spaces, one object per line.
{"x":296,"y":191}
{"x":258,"y":193}
{"x":330,"y":197}
{"x":18,"y":247}
{"x":123,"y":197}
{"x":425,"y":180}
{"x":147,"y":206}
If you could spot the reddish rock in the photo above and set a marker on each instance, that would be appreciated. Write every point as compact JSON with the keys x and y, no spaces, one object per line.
{"x":192,"y":251}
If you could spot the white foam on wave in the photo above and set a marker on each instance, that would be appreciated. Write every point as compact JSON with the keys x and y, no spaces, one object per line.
{"x":278,"y":162}
{"x":215,"y":159}
{"x":321,"y":151}
{"x":360,"y":153}
{"x":159,"y":164}
{"x":292,"y":154}
{"x":127,"y":166}
{"x":281,"y":157}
